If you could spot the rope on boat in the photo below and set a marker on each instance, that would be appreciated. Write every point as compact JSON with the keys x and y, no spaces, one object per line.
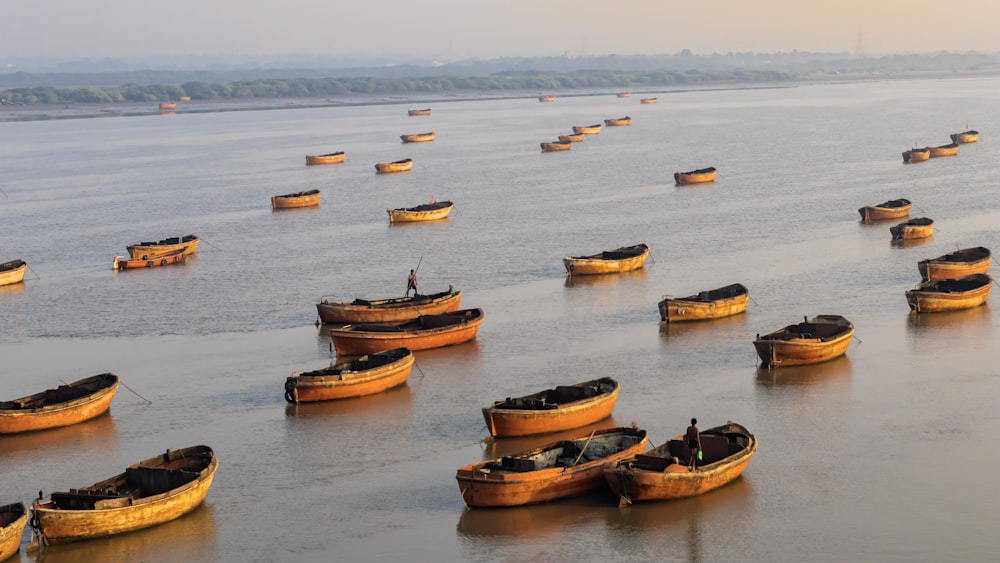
{"x":37,"y":277}
{"x":418,"y":369}
{"x":858,"y":339}
{"x":133,"y":391}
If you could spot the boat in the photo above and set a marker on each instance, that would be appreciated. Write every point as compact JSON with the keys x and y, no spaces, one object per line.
{"x":621,"y":121}
{"x":397,"y":166}
{"x":433,"y":211}
{"x":950,"y":149}
{"x":921,"y":227}
{"x":970,"y":136}
{"x":358,"y":377}
{"x":413,"y":112}
{"x":623,"y":259}
{"x":700,"y":176}
{"x":956,"y":264}
{"x":916,"y":155}
{"x":151,"y":492}
{"x":558,"y":470}
{"x":555,"y":146}
{"x":185,"y":98}
{"x":128,"y":263}
{"x":552,"y":410}
{"x":662,"y":473}
{"x":392,"y":310}
{"x":647,"y":101}
{"x":623,"y":94}
{"x":421,"y":333}
{"x":587,"y":129}
{"x":573,"y":137}
{"x":308,"y":198}
{"x":892,"y":209}
{"x":168,"y":105}
{"x":13,"y":272}
{"x":546,"y":99}
{"x":950,"y":294}
{"x":329,"y":158}
{"x":712,"y":304}
{"x":67,"y":404}
{"x":418,"y":137}
{"x":815,"y":340}
{"x":13,"y":518}
{"x":147,"y":250}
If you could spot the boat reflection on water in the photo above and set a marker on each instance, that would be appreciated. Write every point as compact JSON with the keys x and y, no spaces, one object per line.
{"x":632,"y":277}
{"x":963,"y":321}
{"x":96,"y":434}
{"x":538,"y":520}
{"x":499,"y":447}
{"x":698,"y":329}
{"x":13,"y":289}
{"x":911,"y":242}
{"x":838,"y":369}
{"x":395,"y":402}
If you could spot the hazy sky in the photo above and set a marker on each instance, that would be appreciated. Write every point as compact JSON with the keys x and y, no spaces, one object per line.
{"x":458,"y":29}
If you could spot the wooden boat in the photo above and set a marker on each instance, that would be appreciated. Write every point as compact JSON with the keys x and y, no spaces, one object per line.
{"x":573,"y":137}
{"x":956,"y":264}
{"x":13,"y":517}
{"x":298,"y":199}
{"x":421,"y":333}
{"x":555,"y":146}
{"x":393,"y":310}
{"x":426,"y":212}
{"x":662,"y":473}
{"x":622,"y":259}
{"x":892,"y":209}
{"x":151,"y":492}
{"x":366,"y":375}
{"x":916,"y":155}
{"x":558,"y":470}
{"x":168,"y":105}
{"x":944,"y":150}
{"x":127,"y":263}
{"x":921,"y":227}
{"x":700,"y":176}
{"x":712,"y":304}
{"x":413,"y":112}
{"x":950,"y":295}
{"x":546,"y":99}
{"x":815,"y":340}
{"x":67,"y":404}
{"x":621,"y":121}
{"x":418,"y":137}
{"x":587,"y":129}
{"x":185,"y":98}
{"x":397,"y":166}
{"x":552,"y":410}
{"x":329,"y":158}
{"x":623,"y":94}
{"x":147,"y":250}
{"x":970,"y":136}
{"x":647,"y":101}
{"x":13,"y":272}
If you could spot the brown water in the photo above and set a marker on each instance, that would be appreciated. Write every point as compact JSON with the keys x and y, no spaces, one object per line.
{"x":885,"y":454}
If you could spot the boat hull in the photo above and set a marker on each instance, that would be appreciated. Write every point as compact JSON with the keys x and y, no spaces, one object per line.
{"x":388,"y":310}
{"x":12,"y":272}
{"x":950,"y":295}
{"x":587,"y":129}
{"x":511,"y":422}
{"x":415,"y":112}
{"x":958,"y":264}
{"x":573,"y":137}
{"x":916,"y":155}
{"x":418,"y":138}
{"x":358,"y":340}
{"x":126,"y":263}
{"x":13,"y":518}
{"x":795,"y":350}
{"x":305,"y":388}
{"x":690,"y":309}
{"x":301,"y":199}
{"x":146,"y":250}
{"x":647,"y":101}
{"x":624,"y":121}
{"x":58,"y":414}
{"x":584,"y":265}
{"x":332,"y":158}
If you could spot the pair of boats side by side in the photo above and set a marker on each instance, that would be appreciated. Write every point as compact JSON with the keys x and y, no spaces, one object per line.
{"x":164,"y":252}
{"x":956,"y":280}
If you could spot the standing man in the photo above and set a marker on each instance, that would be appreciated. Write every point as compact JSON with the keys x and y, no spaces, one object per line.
{"x":693,"y":438}
{"x":411,"y":283}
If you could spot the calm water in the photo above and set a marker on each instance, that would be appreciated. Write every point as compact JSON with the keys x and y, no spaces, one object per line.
{"x":886,"y":454}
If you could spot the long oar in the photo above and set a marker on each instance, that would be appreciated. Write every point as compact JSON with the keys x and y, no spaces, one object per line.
{"x":589,"y":438}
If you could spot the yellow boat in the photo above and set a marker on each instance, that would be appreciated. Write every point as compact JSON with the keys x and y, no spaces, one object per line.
{"x":398,"y":166}
{"x":647,"y":101}
{"x":329,"y":158}
{"x":555,"y":146}
{"x":950,"y":294}
{"x":970,"y":136}
{"x":621,"y":121}
{"x":13,"y":272}
{"x":587,"y":129}
{"x":13,"y":517}
{"x":920,"y":227}
{"x":148,"y":250}
{"x":944,"y":150}
{"x":713,"y":304}
{"x":699,"y":176}
{"x":418,"y":137}
{"x":433,"y":211}
{"x":916,"y":155}
{"x":624,"y":259}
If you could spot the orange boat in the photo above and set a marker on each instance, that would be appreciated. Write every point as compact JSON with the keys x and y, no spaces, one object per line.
{"x":366,"y":375}
{"x":562,"y":469}
{"x":957,"y":264}
{"x":13,"y":517}
{"x":623,"y":259}
{"x":330,"y":158}
{"x":65,"y":405}
{"x":126,"y":263}
{"x":555,"y":146}
{"x":422,"y":333}
{"x":587,"y":129}
{"x":397,"y":166}
{"x":916,"y":155}
{"x":433,"y":211}
{"x":662,"y":473}
{"x":921,"y":227}
{"x":970,"y":136}
{"x":297,"y":199}
{"x":148,"y":250}
{"x":712,"y":304}
{"x":812,"y":341}
{"x":546,"y":99}
{"x":623,"y":94}
{"x":413,"y":112}
{"x":13,"y":272}
{"x":621,"y":121}
{"x":418,"y":137}
{"x":393,"y":310}
{"x":151,"y":492}
{"x":950,"y":295}
{"x":700,"y":176}
{"x":892,"y":209}
{"x":573,"y":137}
{"x":168,"y":105}
{"x":552,"y":410}
{"x":944,"y":150}
{"x":647,"y":101}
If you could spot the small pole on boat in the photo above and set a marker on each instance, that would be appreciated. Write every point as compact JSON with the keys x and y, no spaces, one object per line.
{"x":133,"y":391}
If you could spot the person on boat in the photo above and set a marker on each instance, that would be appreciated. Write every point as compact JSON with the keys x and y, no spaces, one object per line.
{"x":411,"y":283}
{"x":693,"y":439}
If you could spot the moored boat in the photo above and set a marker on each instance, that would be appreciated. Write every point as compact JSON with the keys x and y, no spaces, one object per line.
{"x":587,"y":129}
{"x":357,"y":377}
{"x":396,"y":166}
{"x":558,"y":470}
{"x":573,"y":137}
{"x":562,"y":408}
{"x":12,"y":272}
{"x":13,"y":518}
{"x":307,"y":198}
{"x":892,"y":209}
{"x":920,"y":227}
{"x":950,"y":294}
{"x":700,"y":176}
{"x":433,"y":211}
{"x":647,"y":101}
{"x":956,"y":264}
{"x":712,"y":304}
{"x":944,"y":150}
{"x":621,"y":121}
{"x":812,"y":341}
{"x":916,"y":155}
{"x":546,"y":98}
{"x":970,"y":136}
{"x":623,"y":94}
{"x":127,"y":263}
{"x":554,"y":146}
{"x":147,"y":250}
{"x":67,"y":404}
{"x":168,"y":105}
{"x":421,"y":333}
{"x":418,"y":137}
{"x":623,"y":259}
{"x":414,"y":112}
{"x":329,"y":158}
{"x":396,"y":309}
{"x":662,"y":473}
{"x":151,"y":492}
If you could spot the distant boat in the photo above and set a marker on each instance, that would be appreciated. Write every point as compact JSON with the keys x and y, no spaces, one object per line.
{"x":148,"y":250}
{"x":13,"y":518}
{"x":552,"y":410}
{"x":127,"y":263}
{"x":944,"y":150}
{"x":920,"y":227}
{"x":357,"y":377}
{"x":964,"y":137}
{"x":624,"y":259}
{"x":555,"y":146}
{"x":573,"y":137}
{"x":892,"y":209}
{"x":956,"y":264}
{"x":815,"y":340}
{"x":298,"y":199}
{"x":422,"y":333}
{"x":699,"y":176}
{"x":547,"y":99}
{"x":712,"y":304}
{"x":185,"y":98}
{"x":397,"y":166}
{"x":621,"y":121}
{"x":13,"y":272}
{"x":647,"y":101}
{"x":329,"y":158}
{"x":587,"y":129}
{"x":916,"y":155}
{"x":426,"y":212}
{"x":168,"y":105}
{"x":413,"y":112}
{"x":67,"y":404}
{"x":418,"y":137}
{"x":950,"y":294}
{"x":623,"y":94}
